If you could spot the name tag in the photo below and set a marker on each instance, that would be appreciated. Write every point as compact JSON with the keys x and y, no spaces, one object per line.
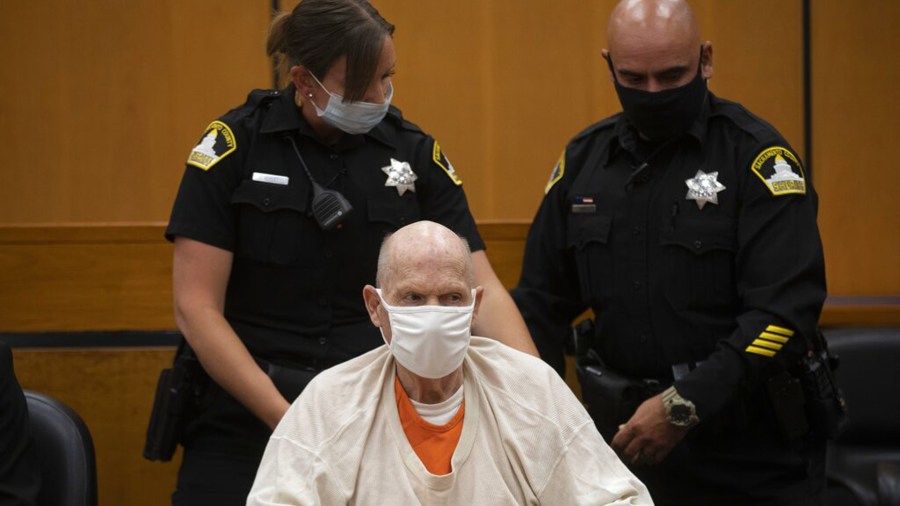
{"x":584,"y":208}
{"x":584,"y":204}
{"x":270,"y":178}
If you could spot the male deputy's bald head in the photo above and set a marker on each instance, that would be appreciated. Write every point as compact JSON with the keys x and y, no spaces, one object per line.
{"x":658,"y":65}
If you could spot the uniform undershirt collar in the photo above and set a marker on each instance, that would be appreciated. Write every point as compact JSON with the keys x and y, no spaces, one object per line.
{"x":442,"y":412}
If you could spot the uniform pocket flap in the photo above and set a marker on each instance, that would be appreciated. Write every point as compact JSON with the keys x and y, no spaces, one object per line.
{"x":268,"y":197}
{"x":588,"y":228}
{"x":700,"y":236}
{"x":392,"y":212}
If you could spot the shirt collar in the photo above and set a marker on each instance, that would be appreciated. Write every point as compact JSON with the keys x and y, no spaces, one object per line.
{"x":625,"y":136}
{"x":284,"y":114}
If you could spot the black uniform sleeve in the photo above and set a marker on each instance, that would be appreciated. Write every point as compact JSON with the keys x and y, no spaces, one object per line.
{"x":548,"y":294}
{"x":442,"y":198}
{"x":202,"y":209}
{"x":780,"y":277}
{"x":19,"y":472}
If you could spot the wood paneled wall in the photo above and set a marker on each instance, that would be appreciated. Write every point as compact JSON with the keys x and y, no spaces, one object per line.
{"x":85,"y":278}
{"x":855,"y":138}
{"x":100,"y":103}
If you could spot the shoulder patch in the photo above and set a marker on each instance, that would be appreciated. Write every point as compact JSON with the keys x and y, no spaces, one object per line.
{"x":780,"y":170}
{"x":441,"y":160}
{"x":217,"y":143}
{"x":557,"y":173}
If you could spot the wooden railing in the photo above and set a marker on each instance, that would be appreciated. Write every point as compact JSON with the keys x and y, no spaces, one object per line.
{"x":118,"y":277}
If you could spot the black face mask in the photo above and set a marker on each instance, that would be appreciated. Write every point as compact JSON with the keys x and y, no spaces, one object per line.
{"x":662,"y":115}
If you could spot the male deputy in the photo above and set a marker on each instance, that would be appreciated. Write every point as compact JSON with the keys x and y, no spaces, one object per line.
{"x":437,"y":416}
{"x":688,"y":226}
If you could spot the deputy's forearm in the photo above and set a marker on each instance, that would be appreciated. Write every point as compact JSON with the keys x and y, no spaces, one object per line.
{"x":498,"y":317}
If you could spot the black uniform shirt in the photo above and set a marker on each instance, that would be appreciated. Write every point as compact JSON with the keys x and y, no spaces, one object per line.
{"x":736,"y":286}
{"x":296,"y":290}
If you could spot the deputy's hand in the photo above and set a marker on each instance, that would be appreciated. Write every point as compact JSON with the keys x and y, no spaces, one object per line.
{"x":647,"y":438}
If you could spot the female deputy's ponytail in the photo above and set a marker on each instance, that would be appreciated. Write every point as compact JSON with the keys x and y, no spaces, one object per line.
{"x":276,"y":46}
{"x":319,"y":32}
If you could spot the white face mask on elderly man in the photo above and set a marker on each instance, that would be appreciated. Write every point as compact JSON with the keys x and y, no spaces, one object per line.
{"x":352,"y":117}
{"x":430,"y":341}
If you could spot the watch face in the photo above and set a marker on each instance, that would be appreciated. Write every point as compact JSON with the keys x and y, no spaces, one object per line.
{"x":680,"y":414}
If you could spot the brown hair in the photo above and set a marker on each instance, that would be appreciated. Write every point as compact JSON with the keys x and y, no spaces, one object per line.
{"x":318,"y":32}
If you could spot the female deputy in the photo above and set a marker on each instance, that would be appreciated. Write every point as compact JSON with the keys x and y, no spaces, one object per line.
{"x":277,"y":226}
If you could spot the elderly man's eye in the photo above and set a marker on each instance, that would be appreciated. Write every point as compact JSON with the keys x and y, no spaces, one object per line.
{"x":411,"y":298}
{"x":453,"y":298}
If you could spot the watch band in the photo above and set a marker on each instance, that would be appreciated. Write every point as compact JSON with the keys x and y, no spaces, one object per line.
{"x":679,"y":411}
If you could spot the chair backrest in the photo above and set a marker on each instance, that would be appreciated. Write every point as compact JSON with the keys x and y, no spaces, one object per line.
{"x":66,"y":452}
{"x":862,"y":460}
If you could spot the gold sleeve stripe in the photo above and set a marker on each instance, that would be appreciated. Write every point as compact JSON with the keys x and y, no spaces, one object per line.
{"x":773,"y":337}
{"x":760,"y":351}
{"x":766,"y":344}
{"x":780,"y":330}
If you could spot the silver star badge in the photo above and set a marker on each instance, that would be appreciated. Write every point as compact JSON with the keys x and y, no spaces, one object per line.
{"x":704,"y":188}
{"x":400,"y":174}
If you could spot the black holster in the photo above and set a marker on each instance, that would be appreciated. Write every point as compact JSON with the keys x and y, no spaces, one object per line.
{"x":179,"y":392}
{"x":826,"y":409}
{"x":289,"y":380}
{"x":806,"y":399}
{"x":610,"y":398}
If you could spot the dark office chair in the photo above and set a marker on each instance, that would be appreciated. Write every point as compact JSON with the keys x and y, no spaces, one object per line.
{"x":864,"y":462}
{"x":66,"y":452}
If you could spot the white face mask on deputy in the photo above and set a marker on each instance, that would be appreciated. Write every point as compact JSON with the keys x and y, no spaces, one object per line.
{"x":430,"y":341}
{"x":352,"y":117}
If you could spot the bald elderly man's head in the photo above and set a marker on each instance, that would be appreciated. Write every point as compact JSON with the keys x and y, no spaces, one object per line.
{"x":423,"y":247}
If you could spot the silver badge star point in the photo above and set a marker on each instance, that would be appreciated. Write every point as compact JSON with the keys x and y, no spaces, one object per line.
{"x":704,"y":188}
{"x":400,"y":175}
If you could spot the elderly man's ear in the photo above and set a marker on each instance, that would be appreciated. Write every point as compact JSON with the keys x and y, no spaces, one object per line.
{"x":373,"y":302}
{"x":479,"y":294}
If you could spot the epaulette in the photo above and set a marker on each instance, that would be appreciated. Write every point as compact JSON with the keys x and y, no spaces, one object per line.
{"x":776,"y":166}
{"x":258,"y":97}
{"x":596,"y":127}
{"x":559,"y":170}
{"x":396,"y":117}
{"x":757,"y":127}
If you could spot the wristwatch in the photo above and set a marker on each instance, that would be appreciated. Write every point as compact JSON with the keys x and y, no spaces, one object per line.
{"x":679,"y":411}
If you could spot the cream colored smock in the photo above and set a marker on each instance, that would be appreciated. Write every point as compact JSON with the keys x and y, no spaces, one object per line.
{"x":526,"y":439}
